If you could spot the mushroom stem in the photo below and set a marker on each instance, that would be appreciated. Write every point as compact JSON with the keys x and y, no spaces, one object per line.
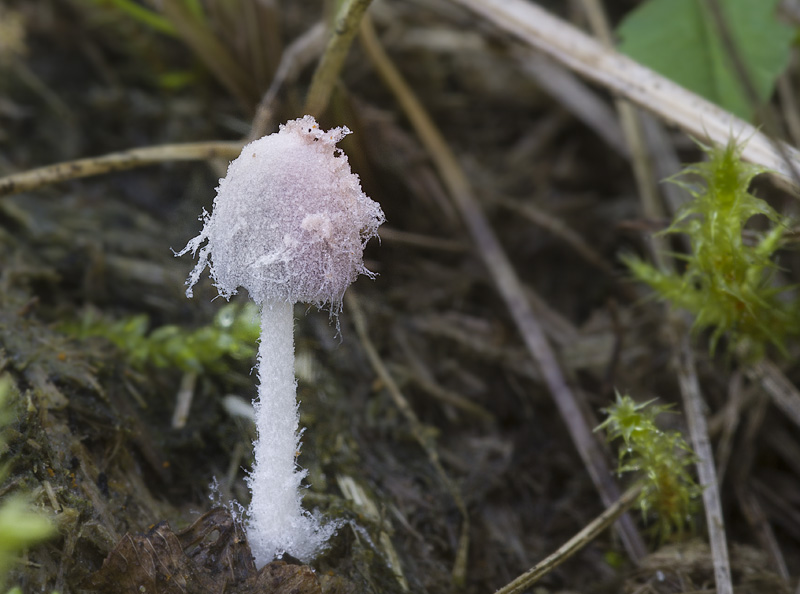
{"x":277,"y":521}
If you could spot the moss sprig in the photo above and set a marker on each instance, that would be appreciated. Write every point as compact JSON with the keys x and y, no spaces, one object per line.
{"x":661,"y":461}
{"x":728,"y":283}
{"x":232,"y":335}
{"x":22,"y":525}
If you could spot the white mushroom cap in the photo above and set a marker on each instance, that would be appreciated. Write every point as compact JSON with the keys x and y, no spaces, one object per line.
{"x":290,"y":220}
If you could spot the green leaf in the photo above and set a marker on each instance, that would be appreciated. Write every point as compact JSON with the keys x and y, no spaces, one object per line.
{"x":679,"y":39}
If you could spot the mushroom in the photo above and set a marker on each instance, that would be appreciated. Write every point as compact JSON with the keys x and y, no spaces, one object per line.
{"x":289,"y":224}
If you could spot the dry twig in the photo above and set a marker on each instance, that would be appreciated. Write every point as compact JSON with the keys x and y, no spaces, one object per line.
{"x":50,"y":174}
{"x":706,"y":473}
{"x":573,"y":545}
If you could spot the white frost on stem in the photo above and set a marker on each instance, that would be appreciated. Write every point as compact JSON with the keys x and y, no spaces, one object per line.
{"x":277,"y":521}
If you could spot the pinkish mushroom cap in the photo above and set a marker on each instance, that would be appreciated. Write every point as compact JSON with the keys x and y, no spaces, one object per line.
{"x":290,"y":220}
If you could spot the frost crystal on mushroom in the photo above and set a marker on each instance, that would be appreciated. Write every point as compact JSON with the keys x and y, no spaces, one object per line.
{"x":289,"y":224}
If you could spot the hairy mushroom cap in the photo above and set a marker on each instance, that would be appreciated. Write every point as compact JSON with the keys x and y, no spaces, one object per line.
{"x":290,"y":220}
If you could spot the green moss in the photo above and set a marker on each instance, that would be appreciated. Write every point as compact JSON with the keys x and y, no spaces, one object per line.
{"x":233,"y":334}
{"x":728,"y":283}
{"x":659,"y":459}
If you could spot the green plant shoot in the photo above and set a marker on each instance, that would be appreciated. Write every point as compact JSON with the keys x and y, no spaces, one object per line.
{"x":661,"y":461}
{"x":231,"y":335}
{"x":728,"y":282}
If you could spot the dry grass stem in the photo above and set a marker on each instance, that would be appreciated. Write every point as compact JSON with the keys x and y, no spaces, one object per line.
{"x":576,"y":97}
{"x":759,"y":524}
{"x":558,"y":228}
{"x":183,"y":400}
{"x":506,"y":281}
{"x":296,"y":56}
{"x":750,"y":434}
{"x":421,"y":241}
{"x":59,"y":172}
{"x":667,"y":164}
{"x":516,"y":361}
{"x":211,"y":51}
{"x":698,"y":431}
{"x":623,"y":76}
{"x":366,"y":505}
{"x":778,"y":506}
{"x":573,"y":545}
{"x":731,"y":413}
{"x":420,"y":375}
{"x":452,"y":398}
{"x":343,"y":31}
{"x":783,"y":393}
{"x":635,"y":139}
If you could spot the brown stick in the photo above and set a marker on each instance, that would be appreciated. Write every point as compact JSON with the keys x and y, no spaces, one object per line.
{"x":573,"y":545}
{"x":706,"y":472}
{"x":50,"y":174}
